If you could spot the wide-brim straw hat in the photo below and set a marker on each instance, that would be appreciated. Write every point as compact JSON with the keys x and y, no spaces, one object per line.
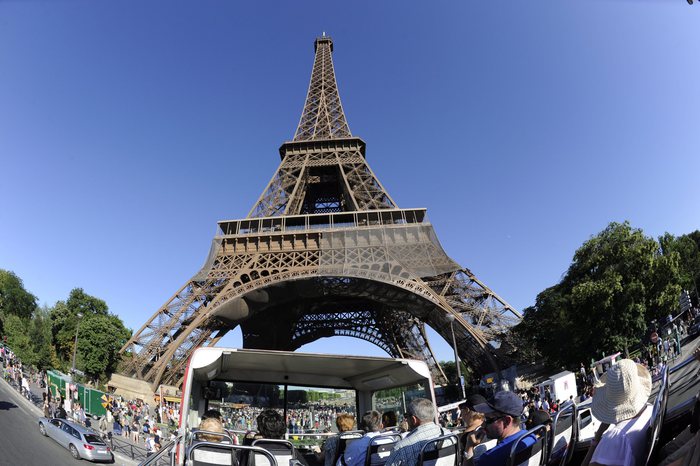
{"x":622,"y":393}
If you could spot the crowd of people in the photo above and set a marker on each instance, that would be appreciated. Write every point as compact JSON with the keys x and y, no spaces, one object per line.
{"x":313,"y":417}
{"x":138,"y":421}
{"x":17,"y":374}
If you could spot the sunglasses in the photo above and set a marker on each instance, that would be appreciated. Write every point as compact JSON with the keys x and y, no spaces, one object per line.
{"x":491,"y":420}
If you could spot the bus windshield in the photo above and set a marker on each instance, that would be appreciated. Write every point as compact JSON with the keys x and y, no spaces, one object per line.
{"x":306,"y":409}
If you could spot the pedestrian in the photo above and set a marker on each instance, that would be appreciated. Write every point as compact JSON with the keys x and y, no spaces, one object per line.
{"x":150,"y":445}
{"x":135,"y":431}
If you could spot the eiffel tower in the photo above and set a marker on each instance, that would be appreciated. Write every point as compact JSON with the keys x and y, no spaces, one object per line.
{"x":324,"y":251}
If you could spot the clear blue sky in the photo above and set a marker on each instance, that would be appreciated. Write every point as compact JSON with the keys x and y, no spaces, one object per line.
{"x":127,"y":129}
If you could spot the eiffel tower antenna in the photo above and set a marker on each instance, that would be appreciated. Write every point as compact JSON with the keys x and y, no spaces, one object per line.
{"x":324,"y":251}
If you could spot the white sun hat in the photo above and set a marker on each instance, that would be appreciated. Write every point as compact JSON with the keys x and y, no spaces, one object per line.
{"x":622,"y":393}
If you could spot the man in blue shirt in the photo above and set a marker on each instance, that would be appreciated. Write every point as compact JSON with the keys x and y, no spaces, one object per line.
{"x":502,"y":422}
{"x":356,"y":452}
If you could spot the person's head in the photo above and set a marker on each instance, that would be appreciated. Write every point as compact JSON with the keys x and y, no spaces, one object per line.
{"x":371,"y":422}
{"x":212,"y":413}
{"x":211,"y":424}
{"x":467,"y":415}
{"x":419,"y":411}
{"x":345,"y":422}
{"x":622,"y":392}
{"x":538,"y":417}
{"x":271,"y":425}
{"x":389,"y":419}
{"x":501,"y":415}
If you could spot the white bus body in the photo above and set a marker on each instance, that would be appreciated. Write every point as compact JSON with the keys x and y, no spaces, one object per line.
{"x":232,"y":380}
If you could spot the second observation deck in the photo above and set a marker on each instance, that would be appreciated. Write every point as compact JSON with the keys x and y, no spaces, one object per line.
{"x":321,"y":222}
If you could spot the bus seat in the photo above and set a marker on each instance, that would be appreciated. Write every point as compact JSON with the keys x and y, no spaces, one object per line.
{"x":533,"y":455}
{"x":379,"y":449}
{"x":441,"y":451}
{"x":562,"y":436}
{"x":220,"y":454}
{"x":282,"y":450}
{"x":345,"y":439}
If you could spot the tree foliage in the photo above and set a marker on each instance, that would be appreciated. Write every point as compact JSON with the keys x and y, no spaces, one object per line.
{"x":688,"y":249}
{"x":17,"y":332}
{"x":14,"y":299}
{"x":99,"y":339}
{"x":618,"y":281}
{"x":45,"y":337}
{"x":100,"y":334}
{"x":44,"y":356}
{"x":65,"y":317}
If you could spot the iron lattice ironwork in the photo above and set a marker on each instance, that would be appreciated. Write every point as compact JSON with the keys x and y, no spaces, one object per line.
{"x":324,"y":251}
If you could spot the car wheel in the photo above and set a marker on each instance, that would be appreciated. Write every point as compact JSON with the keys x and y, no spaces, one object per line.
{"x":42,"y":429}
{"x":74,"y":451}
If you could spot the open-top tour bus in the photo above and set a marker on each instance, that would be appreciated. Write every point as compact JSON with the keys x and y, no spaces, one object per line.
{"x":308,"y":390}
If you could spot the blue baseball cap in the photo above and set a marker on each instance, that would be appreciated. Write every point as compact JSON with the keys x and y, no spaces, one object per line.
{"x":502,"y":402}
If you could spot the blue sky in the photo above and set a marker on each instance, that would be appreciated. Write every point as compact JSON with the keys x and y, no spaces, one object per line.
{"x":127,"y":129}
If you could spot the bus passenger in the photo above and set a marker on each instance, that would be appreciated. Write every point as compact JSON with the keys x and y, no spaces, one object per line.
{"x":472,"y":437}
{"x":620,"y":404}
{"x":271,"y":426}
{"x":356,"y":452}
{"x":344,"y":422}
{"x":501,"y":422}
{"x":390,"y":420}
{"x":421,"y":421}
{"x":211,"y":424}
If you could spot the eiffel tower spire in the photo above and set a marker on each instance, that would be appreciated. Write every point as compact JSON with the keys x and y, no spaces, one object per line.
{"x":323,"y":116}
{"x":323,"y":170}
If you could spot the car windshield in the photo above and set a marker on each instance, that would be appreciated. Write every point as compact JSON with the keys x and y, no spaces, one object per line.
{"x":93,"y":439}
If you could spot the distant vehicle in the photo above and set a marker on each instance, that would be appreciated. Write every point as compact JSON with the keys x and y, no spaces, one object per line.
{"x":562,"y":386}
{"x":599,"y":367}
{"x":82,"y":442}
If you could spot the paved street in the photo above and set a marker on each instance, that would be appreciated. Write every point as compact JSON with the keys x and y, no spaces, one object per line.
{"x":20,"y":440}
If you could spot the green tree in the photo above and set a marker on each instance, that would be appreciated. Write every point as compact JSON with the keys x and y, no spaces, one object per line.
{"x":100,"y":334}
{"x":99,"y":339}
{"x":64,"y":319}
{"x":17,"y":333}
{"x":687,"y":247}
{"x":40,"y":336}
{"x":14,"y":299}
{"x":617,"y":282}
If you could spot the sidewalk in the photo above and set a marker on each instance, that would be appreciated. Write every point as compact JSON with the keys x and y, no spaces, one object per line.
{"x":126,"y":453}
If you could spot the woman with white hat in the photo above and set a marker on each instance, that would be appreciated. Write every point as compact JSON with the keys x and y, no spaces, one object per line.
{"x":620,"y":404}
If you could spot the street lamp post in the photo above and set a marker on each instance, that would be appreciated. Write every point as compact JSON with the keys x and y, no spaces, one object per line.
{"x":75,"y":346}
{"x":451,"y":318}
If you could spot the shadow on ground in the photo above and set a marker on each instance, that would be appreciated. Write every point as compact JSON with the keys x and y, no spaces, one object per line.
{"x":6,"y":405}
